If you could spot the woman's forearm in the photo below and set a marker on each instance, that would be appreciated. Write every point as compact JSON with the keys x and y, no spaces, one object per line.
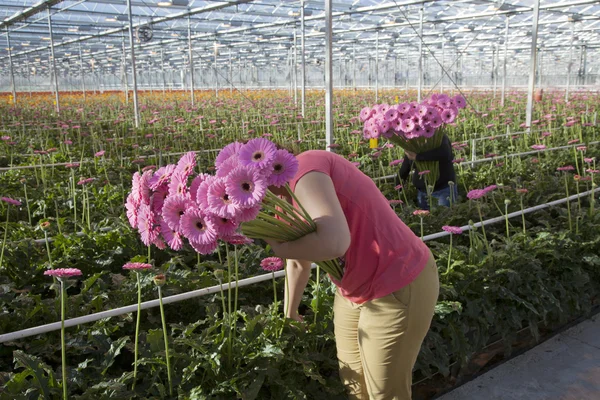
{"x":298,"y":274}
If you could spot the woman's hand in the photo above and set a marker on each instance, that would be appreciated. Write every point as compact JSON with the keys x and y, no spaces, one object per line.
{"x":411,"y":155}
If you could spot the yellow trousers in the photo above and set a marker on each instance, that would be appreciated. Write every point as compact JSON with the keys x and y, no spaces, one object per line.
{"x":378,"y":341}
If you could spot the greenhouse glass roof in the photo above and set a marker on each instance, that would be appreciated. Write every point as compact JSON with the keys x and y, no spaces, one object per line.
{"x":262,"y":32}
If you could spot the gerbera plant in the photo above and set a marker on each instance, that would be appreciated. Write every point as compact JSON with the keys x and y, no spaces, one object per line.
{"x":416,"y":127}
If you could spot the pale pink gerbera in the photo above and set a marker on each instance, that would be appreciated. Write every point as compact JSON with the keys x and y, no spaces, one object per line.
{"x":161,"y":176}
{"x":448,"y":115}
{"x":173,"y":209}
{"x":132,"y":210}
{"x":10,"y":201}
{"x":258,"y":153}
{"x":202,"y":192}
{"x":186,"y":164}
{"x":271,"y":264}
{"x":538,"y":147}
{"x":566,"y":168}
{"x":157,"y":200}
{"x":407,"y":125}
{"x":206,"y":248}
{"x":137,"y":266}
{"x":147,"y":226}
{"x":476,"y":194}
{"x":196,"y":184}
{"x":246,"y":187}
{"x":144,"y":186}
{"x":455,"y":230}
{"x":227,"y":166}
{"x":366,"y":113}
{"x":100,"y":153}
{"x":172,"y":237}
{"x":178,"y":184}
{"x":248,"y":214}
{"x":219,"y":201}
{"x":231,"y":149}
{"x":63,"y":272}
{"x":197,"y":227}
{"x":225,"y":227}
{"x":136,"y":187}
{"x":460,"y":101}
{"x":237,"y":239}
{"x":285,"y":167}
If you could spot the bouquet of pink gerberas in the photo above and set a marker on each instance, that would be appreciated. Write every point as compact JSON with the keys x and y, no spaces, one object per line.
{"x":173,"y":203}
{"x":416,"y":127}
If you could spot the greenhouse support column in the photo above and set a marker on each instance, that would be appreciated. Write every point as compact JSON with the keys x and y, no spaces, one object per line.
{"x":584,"y":65}
{"x":28,"y":75}
{"x":56,"y":97}
{"x":420,"y":67}
{"x":230,"y":72}
{"x":124,"y":69}
{"x":12,"y":73}
{"x":442,"y":65}
{"x":136,"y":114}
{"x":377,"y":66}
{"x":328,"y":75}
{"x":494,"y":67}
{"x":570,"y":64}
{"x":303,"y":58}
{"x":81,"y":71}
{"x":162,"y":70}
{"x":532,"y":66}
{"x":215,"y":72}
{"x":504,"y":62}
{"x":295,"y":47}
{"x":191,"y":60}
{"x":354,"y":66}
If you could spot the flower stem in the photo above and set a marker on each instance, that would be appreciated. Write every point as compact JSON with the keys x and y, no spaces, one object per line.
{"x":27,"y":203}
{"x":62,"y":338}
{"x":506,"y":218}
{"x":274,"y":288}
{"x":421,"y":227}
{"x":5,"y":235}
{"x":318,"y":291}
{"x":568,"y":204}
{"x":483,"y":228}
{"x":137,"y":328}
{"x":449,"y":257}
{"x":522,"y":215}
{"x":164,"y":326}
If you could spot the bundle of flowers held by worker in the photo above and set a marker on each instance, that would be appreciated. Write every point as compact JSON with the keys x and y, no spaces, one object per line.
{"x":416,"y":127}
{"x":234,"y":205}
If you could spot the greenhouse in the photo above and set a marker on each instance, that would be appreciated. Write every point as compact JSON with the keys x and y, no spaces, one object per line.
{"x":299,"y":199}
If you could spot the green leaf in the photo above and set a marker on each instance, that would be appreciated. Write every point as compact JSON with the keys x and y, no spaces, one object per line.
{"x":252,"y":391}
{"x":115,"y":350}
{"x":155,"y":340}
{"x":37,"y":369}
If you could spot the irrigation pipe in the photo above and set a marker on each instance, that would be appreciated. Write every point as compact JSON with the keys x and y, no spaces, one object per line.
{"x":244,"y":282}
{"x":380,"y":178}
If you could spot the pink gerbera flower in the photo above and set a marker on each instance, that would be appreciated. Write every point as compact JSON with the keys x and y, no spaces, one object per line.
{"x":196,"y":184}
{"x":248,"y":214}
{"x":230,"y":150}
{"x":271,"y":264}
{"x":62,"y":273}
{"x":407,"y":125}
{"x":100,"y":153}
{"x":257,"y":153}
{"x":197,"y":227}
{"x":147,"y":226}
{"x":455,"y":230}
{"x":172,"y":237}
{"x":173,"y":209}
{"x":131,"y":205}
{"x":137,"y":266}
{"x":366,"y":113}
{"x":157,"y":200}
{"x":219,"y":201}
{"x":476,"y":194}
{"x":227,"y":166}
{"x":459,"y":101}
{"x":205,"y":248}
{"x":161,"y":176}
{"x":10,"y":201}
{"x":202,"y":192}
{"x":448,"y":115}
{"x":246,"y":187}
{"x":186,"y":164}
{"x":178,"y":183}
{"x":538,"y":147}
{"x":237,"y":239}
{"x":284,"y":168}
{"x":225,"y":227}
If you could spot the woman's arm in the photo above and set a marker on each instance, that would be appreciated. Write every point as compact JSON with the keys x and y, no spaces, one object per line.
{"x":405,"y":168}
{"x":316,"y":193}
{"x":298,"y":274}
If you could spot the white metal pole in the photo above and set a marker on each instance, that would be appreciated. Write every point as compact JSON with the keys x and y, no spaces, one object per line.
{"x":12,"y":73}
{"x":354,"y":66}
{"x":303,"y":57}
{"x":504,"y":62}
{"x":532,"y":66}
{"x":191,"y":60}
{"x":377,"y":66}
{"x":230,"y":72}
{"x":56,"y":96}
{"x":442,"y":66}
{"x":136,"y":114}
{"x":328,"y":75}
{"x":81,"y":71}
{"x":420,"y":66}
{"x":215,"y":71}
{"x":570,"y":63}
{"x":162,"y":70}
{"x":295,"y":47}
{"x":124,"y":69}
{"x":495,"y":68}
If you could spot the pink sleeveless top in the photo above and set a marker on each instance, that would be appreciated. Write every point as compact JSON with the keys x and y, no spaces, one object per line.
{"x":384,"y":254}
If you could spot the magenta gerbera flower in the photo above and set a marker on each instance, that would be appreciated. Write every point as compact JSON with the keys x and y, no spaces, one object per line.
{"x":227,"y":151}
{"x":246,"y":187}
{"x":257,"y":153}
{"x":172,"y":237}
{"x":219,"y":202}
{"x":455,"y":230}
{"x":197,"y":227}
{"x":285,"y":167}
{"x":186,"y":164}
{"x":271,"y":264}
{"x":225,"y":227}
{"x":147,"y":226}
{"x":476,"y":194}
{"x":10,"y":201}
{"x":459,"y":101}
{"x":173,"y":209}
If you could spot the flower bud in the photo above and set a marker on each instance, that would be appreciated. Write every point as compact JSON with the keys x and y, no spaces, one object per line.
{"x":159,"y":279}
{"x":218,"y":273}
{"x":506,"y":201}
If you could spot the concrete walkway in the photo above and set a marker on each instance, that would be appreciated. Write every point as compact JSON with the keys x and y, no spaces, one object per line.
{"x":566,"y":367}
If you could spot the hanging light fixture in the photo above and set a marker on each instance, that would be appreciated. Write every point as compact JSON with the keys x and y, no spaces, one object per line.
{"x":169,"y":3}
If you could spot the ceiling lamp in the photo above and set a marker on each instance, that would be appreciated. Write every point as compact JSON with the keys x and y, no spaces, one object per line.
{"x":169,"y":3}
{"x":73,"y":29}
{"x":116,"y":18}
